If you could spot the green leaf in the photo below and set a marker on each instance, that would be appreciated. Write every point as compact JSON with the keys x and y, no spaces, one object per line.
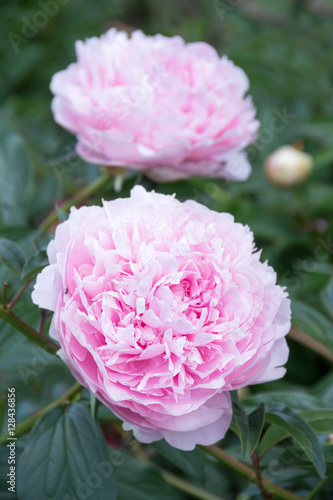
{"x":324,"y":391}
{"x":313,"y":322}
{"x":249,"y":427}
{"x":328,"y":453}
{"x":272,"y":436}
{"x":256,"y":425}
{"x":11,"y":255}
{"x":190,"y":462}
{"x":239,"y":418}
{"x":93,"y":406}
{"x":34,"y":265}
{"x":327,"y":298}
{"x":15,"y":175}
{"x":320,"y":420}
{"x":321,"y":130}
{"x":322,"y":268}
{"x":65,"y":456}
{"x":138,"y":481}
{"x":324,"y":158}
{"x":62,"y":215}
{"x":299,"y":400}
{"x":293,"y":423}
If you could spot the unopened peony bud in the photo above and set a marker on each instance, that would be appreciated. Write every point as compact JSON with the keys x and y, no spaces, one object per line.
{"x":287,"y":166}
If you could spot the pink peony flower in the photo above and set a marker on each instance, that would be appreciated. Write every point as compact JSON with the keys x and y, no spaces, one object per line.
{"x":161,"y":308}
{"x":156,"y":104}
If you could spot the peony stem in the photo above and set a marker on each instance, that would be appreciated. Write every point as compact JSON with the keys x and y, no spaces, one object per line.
{"x":4,"y":296}
{"x":81,"y":196}
{"x":249,"y":473}
{"x":256,"y":465}
{"x":141,"y":454}
{"x":27,"y":424}
{"x":187,"y":487}
{"x":43,"y":321}
{"x":301,"y":337}
{"x":29,"y":332}
{"x":17,"y":296}
{"x":177,"y":482}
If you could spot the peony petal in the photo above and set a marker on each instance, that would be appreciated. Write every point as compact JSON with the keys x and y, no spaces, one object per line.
{"x":48,"y":288}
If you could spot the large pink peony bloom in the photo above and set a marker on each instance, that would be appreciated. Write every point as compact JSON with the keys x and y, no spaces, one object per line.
{"x":156,"y":104}
{"x":161,"y":308}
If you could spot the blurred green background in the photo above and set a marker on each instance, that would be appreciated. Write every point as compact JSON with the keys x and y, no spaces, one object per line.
{"x":286,"y":50}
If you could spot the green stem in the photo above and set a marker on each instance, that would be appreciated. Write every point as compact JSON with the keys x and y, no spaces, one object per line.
{"x":4,"y":296}
{"x":17,"y":296}
{"x":181,"y":484}
{"x":29,"y":332}
{"x":320,"y":487}
{"x":187,"y":487}
{"x":301,"y":337}
{"x":27,"y":424}
{"x":81,"y":196}
{"x":256,"y":465}
{"x":249,"y":473}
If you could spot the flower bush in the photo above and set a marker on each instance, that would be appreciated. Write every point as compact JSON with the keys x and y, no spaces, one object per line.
{"x":163,"y":310}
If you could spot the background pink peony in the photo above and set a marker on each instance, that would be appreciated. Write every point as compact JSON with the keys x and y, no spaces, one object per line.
{"x":156,"y":104}
{"x":161,"y":308}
